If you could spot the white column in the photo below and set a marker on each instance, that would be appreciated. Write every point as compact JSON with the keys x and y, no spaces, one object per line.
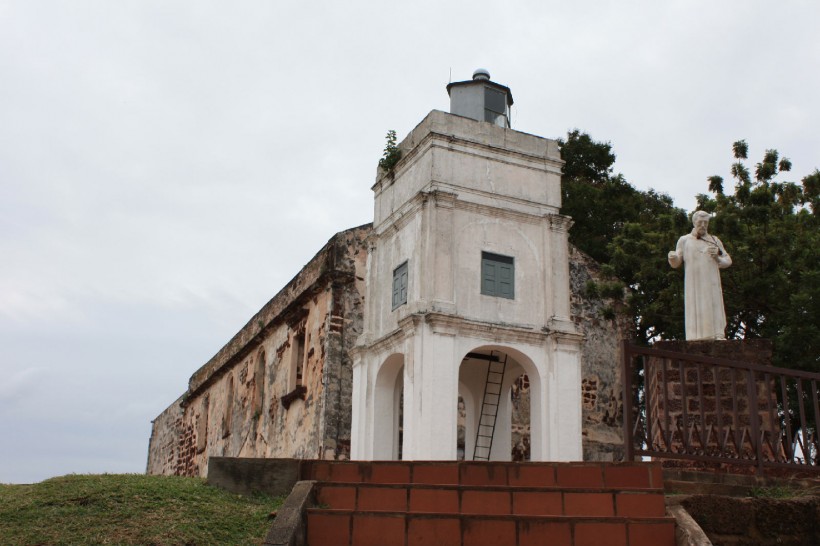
{"x":540,"y":408}
{"x":559,"y":226}
{"x":359,"y":399}
{"x":441,"y":251}
{"x":568,"y":391}
{"x":436,"y":391}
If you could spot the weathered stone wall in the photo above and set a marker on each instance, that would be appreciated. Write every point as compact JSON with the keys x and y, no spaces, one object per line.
{"x":163,"y":447}
{"x":601,"y":386}
{"x":734,"y":521}
{"x":344,"y":327}
{"x":246,"y":402}
{"x":520,"y":424}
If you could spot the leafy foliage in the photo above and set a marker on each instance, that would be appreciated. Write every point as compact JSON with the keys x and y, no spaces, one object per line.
{"x":392,"y":153}
{"x":605,"y":208}
{"x":586,"y":159}
{"x":772,"y":231}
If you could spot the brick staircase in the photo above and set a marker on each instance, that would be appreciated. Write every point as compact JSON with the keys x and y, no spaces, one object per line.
{"x":487,"y":504}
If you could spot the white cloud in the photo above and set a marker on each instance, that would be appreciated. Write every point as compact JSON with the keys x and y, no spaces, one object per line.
{"x":17,"y":384}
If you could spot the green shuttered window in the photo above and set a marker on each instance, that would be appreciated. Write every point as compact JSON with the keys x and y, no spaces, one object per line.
{"x":497,"y":275}
{"x":400,"y":285}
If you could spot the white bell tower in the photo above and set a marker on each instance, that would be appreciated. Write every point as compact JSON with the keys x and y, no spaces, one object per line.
{"x":467,"y":290}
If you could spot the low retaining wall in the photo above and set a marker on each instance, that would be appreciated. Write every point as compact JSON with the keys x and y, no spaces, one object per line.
{"x":245,"y":476}
{"x":731,"y":521}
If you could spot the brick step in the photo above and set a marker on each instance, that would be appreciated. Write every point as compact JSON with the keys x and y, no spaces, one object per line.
{"x":410,"y":503}
{"x":369,"y":528}
{"x":580,"y":475}
{"x":493,"y":500}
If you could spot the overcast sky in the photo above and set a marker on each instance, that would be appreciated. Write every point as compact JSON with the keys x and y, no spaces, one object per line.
{"x":166,"y":167}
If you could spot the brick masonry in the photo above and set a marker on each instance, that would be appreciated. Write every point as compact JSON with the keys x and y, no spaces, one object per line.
{"x":716,"y":393}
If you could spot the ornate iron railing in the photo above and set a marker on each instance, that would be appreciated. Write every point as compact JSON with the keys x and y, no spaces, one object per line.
{"x":699,"y":408}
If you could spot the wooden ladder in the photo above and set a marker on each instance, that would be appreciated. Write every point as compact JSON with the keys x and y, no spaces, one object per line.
{"x":489,"y":405}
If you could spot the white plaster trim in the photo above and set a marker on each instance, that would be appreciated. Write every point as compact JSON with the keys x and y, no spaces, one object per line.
{"x":496,"y":332}
{"x":560,"y":223}
{"x":444,"y":195}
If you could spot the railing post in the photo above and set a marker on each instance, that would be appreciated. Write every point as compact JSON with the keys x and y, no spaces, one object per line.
{"x":626,"y":354}
{"x":754,"y":418}
{"x":749,"y":422}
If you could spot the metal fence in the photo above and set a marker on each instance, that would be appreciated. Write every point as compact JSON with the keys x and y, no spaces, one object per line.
{"x":699,"y":408}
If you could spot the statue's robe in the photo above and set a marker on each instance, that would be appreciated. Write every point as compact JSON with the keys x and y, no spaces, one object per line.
{"x":703,"y":294}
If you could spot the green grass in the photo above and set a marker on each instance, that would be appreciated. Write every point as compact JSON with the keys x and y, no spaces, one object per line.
{"x":776,"y":492}
{"x":130,"y":509}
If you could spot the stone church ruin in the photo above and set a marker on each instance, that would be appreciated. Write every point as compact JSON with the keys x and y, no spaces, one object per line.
{"x":456,"y":326}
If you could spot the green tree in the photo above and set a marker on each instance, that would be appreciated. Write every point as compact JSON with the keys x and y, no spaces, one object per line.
{"x":605,"y":208}
{"x":772,"y":230}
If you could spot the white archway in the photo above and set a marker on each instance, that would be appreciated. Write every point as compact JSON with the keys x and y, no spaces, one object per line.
{"x":473,"y":378}
{"x":388,"y":390}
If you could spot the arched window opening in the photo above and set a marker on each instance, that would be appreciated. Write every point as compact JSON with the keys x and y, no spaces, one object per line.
{"x":227,"y":416}
{"x":202,"y":425}
{"x":297,"y":390}
{"x":259,"y":385}
{"x":297,"y":359}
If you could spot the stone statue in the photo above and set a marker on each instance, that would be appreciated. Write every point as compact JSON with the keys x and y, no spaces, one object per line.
{"x":704,"y":256}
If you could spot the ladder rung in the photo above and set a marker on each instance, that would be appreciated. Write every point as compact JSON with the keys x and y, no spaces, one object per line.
{"x":489,"y":403}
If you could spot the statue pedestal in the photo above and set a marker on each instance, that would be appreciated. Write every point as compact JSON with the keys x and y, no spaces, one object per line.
{"x":752,"y":351}
{"x":697,"y":408}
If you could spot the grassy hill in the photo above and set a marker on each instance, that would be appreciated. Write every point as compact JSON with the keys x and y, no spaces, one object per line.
{"x":130,"y":509}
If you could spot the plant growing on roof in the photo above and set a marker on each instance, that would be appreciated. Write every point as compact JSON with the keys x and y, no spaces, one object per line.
{"x":392,"y":153}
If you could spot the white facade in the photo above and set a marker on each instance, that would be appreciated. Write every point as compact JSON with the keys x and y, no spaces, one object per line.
{"x":463,"y":188}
